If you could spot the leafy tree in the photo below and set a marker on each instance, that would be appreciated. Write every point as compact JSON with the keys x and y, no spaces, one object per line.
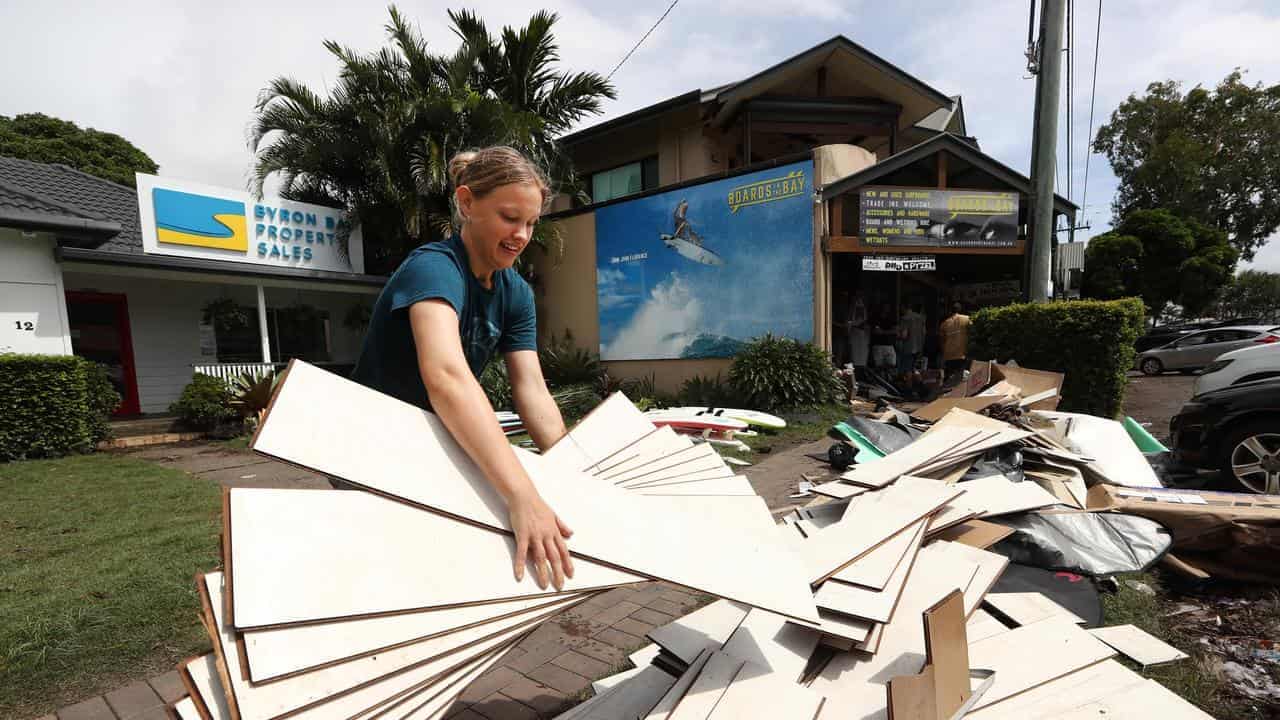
{"x":379,"y":144}
{"x":45,"y":139}
{"x":1252,"y":293}
{"x":1162,"y":259}
{"x":1208,"y":155}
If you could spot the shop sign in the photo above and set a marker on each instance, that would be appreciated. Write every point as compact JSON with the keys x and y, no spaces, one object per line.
{"x":900,"y":263}
{"x":895,"y":216}
{"x":185,"y":219}
{"x":999,"y":292}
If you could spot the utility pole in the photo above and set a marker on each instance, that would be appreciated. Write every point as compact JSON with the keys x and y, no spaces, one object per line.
{"x":1045,"y":146}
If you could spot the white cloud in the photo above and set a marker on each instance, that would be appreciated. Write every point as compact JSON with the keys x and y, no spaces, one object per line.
{"x":662,"y":327}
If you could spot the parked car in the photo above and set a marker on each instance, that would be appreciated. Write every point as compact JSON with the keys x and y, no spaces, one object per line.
{"x":1235,"y":430}
{"x":1256,"y":362}
{"x":1198,"y":349}
{"x":1165,"y":334}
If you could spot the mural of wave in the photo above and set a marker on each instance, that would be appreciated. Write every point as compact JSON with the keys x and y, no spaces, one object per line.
{"x":200,"y":220}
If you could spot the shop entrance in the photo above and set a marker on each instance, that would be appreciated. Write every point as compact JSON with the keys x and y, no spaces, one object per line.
{"x":100,"y":332}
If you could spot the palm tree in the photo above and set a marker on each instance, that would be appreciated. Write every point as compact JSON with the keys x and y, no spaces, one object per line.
{"x":380,"y":143}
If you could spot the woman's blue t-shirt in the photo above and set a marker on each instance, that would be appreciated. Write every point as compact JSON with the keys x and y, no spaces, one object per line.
{"x":501,"y":319}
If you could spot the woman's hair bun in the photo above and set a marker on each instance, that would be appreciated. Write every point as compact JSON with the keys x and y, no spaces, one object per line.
{"x":458,"y":165}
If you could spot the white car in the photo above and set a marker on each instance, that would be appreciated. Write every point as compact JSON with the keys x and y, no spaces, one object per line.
{"x":1240,"y":366}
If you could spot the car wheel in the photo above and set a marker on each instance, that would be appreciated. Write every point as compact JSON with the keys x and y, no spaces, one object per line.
{"x":1251,"y":457}
{"x":1151,"y":366}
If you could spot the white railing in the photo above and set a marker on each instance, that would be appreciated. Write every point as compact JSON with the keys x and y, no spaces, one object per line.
{"x":229,"y":371}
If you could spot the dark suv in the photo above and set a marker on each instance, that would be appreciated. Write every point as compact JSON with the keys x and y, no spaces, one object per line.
{"x":1235,"y":430}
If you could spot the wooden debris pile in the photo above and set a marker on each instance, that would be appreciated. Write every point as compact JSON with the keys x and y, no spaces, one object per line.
{"x":387,"y":603}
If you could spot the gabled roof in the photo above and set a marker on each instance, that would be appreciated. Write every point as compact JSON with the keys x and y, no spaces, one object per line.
{"x":78,"y":196}
{"x":952,"y":144}
{"x":28,"y":211}
{"x":731,"y":95}
{"x":734,"y":94}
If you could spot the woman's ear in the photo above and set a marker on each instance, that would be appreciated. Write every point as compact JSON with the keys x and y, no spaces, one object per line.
{"x":464,"y":199}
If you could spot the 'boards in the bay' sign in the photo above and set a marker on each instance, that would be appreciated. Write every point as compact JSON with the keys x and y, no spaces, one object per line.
{"x":904,"y":217}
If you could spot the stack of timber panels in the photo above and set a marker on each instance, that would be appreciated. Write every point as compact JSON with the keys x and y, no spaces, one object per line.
{"x":387,"y":603}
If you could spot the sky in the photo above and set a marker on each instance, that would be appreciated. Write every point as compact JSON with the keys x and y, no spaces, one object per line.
{"x":180,"y":78}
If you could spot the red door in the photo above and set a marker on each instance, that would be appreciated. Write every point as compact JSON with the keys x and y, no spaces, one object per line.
{"x":100,"y":332}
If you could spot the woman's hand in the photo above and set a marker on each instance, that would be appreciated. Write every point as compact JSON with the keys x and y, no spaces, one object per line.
{"x":541,"y":535}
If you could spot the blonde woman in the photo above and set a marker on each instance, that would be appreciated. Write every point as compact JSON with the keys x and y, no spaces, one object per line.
{"x":443,"y":315}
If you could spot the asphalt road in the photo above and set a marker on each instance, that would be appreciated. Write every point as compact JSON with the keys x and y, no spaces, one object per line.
{"x":1156,"y":399}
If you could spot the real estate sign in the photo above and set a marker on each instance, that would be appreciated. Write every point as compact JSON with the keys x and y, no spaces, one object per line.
{"x":186,"y":219}
{"x":699,"y":271}
{"x":905,"y":217}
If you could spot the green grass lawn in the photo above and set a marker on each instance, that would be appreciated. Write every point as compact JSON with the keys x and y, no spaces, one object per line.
{"x":97,"y":559}
{"x":805,"y":425}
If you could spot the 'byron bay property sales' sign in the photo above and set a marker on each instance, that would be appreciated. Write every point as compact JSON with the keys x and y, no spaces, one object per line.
{"x":185,"y":219}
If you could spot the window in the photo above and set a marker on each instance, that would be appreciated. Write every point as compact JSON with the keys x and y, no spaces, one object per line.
{"x":295,"y":331}
{"x":625,"y":180}
{"x":1193,"y":340}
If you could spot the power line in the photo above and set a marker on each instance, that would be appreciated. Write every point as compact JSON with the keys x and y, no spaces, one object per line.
{"x":1088,"y":148}
{"x":641,"y":41}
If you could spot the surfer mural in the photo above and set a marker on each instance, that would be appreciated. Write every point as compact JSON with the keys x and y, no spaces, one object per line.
{"x":685,"y":241}
{"x":700,"y":271}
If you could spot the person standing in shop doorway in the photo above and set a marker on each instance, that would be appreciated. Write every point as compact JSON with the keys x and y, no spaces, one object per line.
{"x":883,"y":336}
{"x":954,"y":333}
{"x":859,"y":332}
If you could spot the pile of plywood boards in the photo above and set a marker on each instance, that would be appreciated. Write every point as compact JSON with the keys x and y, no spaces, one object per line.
{"x":386,"y":603}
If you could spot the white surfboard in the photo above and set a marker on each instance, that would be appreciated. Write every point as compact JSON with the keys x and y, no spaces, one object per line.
{"x":692,"y":420}
{"x":691,"y":250}
{"x":750,"y":417}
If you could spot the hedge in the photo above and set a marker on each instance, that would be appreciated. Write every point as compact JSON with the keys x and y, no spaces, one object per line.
{"x":1089,"y":341}
{"x":52,"y":405}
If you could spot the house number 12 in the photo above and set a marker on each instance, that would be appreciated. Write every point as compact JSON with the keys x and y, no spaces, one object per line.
{"x":26,"y":325}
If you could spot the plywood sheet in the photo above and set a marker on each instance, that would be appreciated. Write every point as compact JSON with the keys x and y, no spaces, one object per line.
{"x":1138,"y":645}
{"x":341,"y":428}
{"x":433,"y":702}
{"x":935,"y":410}
{"x":632,"y":698}
{"x":758,"y":693}
{"x":283,"y":651}
{"x":1147,"y":700}
{"x":206,"y":687}
{"x":185,"y":709}
{"x":287,"y":545}
{"x":657,"y":445}
{"x":855,"y":683}
{"x":839,"y":489}
{"x":768,"y":640}
{"x":678,"y":689}
{"x":684,"y":461}
{"x":1115,"y":455}
{"x":608,"y":682}
{"x":320,"y":689}
{"x":609,"y":427}
{"x":875,"y":569}
{"x":732,"y":485}
{"x":1033,"y":655}
{"x":925,"y":449}
{"x":982,"y":625}
{"x":1025,"y":608}
{"x":867,"y":603}
{"x":1064,"y":694}
{"x":706,"y":628}
{"x":989,"y":568}
{"x":913,"y":697}
{"x":849,"y":629}
{"x":974,"y":533}
{"x":867,"y":525}
{"x":947,"y":653}
{"x":708,"y":688}
{"x":997,"y":495}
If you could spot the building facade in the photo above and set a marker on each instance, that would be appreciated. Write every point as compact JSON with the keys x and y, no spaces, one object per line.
{"x":172,"y":278}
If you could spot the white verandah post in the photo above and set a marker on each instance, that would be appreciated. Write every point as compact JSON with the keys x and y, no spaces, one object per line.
{"x":262,"y":325}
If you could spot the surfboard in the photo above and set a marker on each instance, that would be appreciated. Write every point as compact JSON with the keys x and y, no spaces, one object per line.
{"x":691,"y":250}
{"x":750,"y":417}
{"x":694,"y":421}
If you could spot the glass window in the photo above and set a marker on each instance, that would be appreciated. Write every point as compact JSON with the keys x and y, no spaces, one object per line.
{"x":624,"y":180}
{"x":1193,"y":340}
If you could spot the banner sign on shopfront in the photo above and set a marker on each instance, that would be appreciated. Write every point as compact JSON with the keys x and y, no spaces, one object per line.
{"x":997,"y":292}
{"x":900,"y":263}
{"x":191,"y":220}
{"x":915,"y":217}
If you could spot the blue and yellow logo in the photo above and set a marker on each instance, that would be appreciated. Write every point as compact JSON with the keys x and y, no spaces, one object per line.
{"x":200,"y":220}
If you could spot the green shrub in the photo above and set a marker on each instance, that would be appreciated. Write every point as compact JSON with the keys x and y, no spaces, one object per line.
{"x":52,"y":405}
{"x":575,"y":401}
{"x":103,"y":400}
{"x":708,"y":391}
{"x":773,"y":373}
{"x":251,"y":394}
{"x":564,"y":364}
{"x":497,"y":385}
{"x":205,"y":403}
{"x":1089,"y":341}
